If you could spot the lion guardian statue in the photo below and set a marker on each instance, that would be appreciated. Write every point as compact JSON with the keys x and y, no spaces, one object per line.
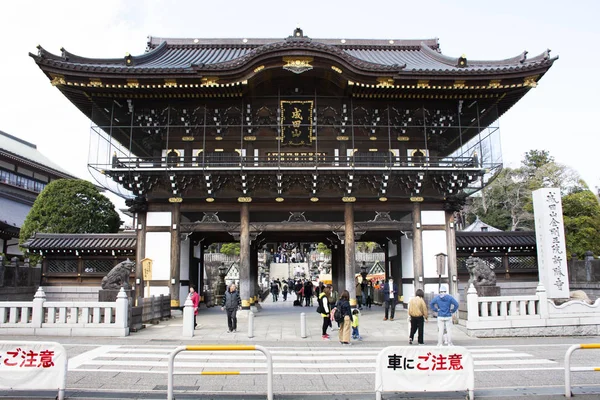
{"x":119,"y":276}
{"x":480,"y":273}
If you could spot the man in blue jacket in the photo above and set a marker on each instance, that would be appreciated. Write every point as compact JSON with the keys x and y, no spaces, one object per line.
{"x":445,"y":305}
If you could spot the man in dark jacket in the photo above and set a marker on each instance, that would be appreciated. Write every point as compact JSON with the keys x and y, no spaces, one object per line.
{"x":231,"y":303}
{"x":390,"y":294}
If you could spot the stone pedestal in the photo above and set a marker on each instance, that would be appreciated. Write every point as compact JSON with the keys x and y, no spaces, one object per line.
{"x":111,"y":294}
{"x":487,"y":291}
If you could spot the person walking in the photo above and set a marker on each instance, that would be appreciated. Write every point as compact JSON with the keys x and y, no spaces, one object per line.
{"x":325,"y":310}
{"x":308,"y":292}
{"x":231,"y":303}
{"x":417,"y":310}
{"x":359,"y":294}
{"x":195,"y":297}
{"x":445,"y":305}
{"x":369,"y":293}
{"x":390,"y":291}
{"x":344,"y":305}
{"x":275,"y":290}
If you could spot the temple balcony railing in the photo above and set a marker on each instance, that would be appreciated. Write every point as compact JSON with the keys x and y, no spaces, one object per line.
{"x":290,"y":163}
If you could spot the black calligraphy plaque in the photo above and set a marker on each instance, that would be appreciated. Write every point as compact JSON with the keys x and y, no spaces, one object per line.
{"x":296,"y":123}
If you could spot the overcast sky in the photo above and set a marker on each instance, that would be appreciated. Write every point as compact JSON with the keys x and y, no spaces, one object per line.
{"x":561,"y":115}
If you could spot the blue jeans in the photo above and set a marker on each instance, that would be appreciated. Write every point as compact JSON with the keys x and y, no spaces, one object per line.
{"x":355,"y":334}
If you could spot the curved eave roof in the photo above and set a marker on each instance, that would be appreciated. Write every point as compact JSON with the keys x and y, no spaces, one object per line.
{"x":83,"y":242}
{"x":205,"y":56}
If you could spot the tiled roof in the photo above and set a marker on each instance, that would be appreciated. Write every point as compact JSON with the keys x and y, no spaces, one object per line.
{"x":495,"y":239}
{"x":166,"y":55}
{"x":13,"y":147}
{"x":88,"y":241}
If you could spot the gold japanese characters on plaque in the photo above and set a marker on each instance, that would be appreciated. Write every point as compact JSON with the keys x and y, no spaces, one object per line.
{"x":296,"y":123}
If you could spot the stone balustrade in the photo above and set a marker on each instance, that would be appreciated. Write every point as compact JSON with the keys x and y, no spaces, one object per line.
{"x":66,"y":318}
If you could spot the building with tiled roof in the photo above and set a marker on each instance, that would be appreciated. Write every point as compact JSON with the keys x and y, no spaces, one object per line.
{"x":24,"y":173}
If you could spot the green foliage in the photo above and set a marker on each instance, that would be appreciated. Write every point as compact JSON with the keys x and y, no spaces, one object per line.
{"x":581,"y":213}
{"x":366,"y":247}
{"x":230,"y":249}
{"x":534,"y":159}
{"x":322,"y":248}
{"x":70,"y":206}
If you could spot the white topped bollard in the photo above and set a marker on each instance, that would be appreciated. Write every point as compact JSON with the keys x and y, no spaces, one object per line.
{"x":303,"y":325}
{"x":188,"y":318}
{"x":37,"y":316}
{"x":250,"y":324}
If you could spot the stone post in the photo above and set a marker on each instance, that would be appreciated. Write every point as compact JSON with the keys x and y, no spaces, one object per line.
{"x":37,"y":316}
{"x":122,"y":308}
{"x":589,"y":275}
{"x":472,"y":304}
{"x":188,"y":318}
{"x":540,"y":292}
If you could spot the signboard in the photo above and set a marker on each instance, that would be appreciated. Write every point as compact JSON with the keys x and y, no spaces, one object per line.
{"x":424,"y":369}
{"x":550,"y":241}
{"x":147,"y":269}
{"x":33,"y":365}
{"x":296,"y":123}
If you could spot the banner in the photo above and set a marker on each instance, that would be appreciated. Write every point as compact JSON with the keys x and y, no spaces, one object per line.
{"x":424,"y":369}
{"x":296,"y":123}
{"x":32,"y":365}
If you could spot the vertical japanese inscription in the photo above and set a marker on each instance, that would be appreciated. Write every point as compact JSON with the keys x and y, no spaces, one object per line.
{"x":296,"y":123}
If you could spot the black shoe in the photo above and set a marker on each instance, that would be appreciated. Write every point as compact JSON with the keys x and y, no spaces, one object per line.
{"x":410,"y":341}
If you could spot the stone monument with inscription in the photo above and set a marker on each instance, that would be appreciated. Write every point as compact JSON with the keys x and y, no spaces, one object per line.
{"x":550,"y":240}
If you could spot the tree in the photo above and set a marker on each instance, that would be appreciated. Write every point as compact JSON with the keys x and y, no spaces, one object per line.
{"x":230,"y":249}
{"x":70,"y":206}
{"x":534,"y":159}
{"x":322,"y":248}
{"x":581,"y":213}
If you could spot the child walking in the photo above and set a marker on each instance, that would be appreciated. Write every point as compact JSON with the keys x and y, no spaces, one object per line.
{"x":355,"y":333}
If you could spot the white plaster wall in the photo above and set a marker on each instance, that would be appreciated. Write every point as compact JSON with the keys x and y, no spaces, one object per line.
{"x":184,"y":269}
{"x":434,"y":242}
{"x":406,"y":245}
{"x":158,"y":218}
{"x":158,"y":248}
{"x":158,"y":290}
{"x":433,"y":218}
{"x":392,"y":248}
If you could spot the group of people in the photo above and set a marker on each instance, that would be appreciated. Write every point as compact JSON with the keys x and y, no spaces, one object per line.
{"x":338,"y":310}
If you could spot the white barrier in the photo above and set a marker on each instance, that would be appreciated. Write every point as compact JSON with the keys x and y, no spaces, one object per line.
{"x":568,"y":367}
{"x":424,"y":369}
{"x":65,"y":318}
{"x":33,"y":365}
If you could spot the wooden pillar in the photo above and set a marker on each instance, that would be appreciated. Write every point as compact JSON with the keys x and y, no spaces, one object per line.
{"x":349,"y":251}
{"x":175,"y":254}
{"x":245,"y":284}
{"x":253,"y":274}
{"x":140,"y":253}
{"x":417,"y":246}
{"x":451,"y":251}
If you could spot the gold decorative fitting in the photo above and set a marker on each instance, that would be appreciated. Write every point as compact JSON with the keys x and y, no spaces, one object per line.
{"x":342,"y":138}
{"x":244,"y":199}
{"x":372,"y":137}
{"x":249,"y":138}
{"x":348,"y":199}
{"x":170,"y":83}
{"x":385,"y":82}
{"x":372,"y":149}
{"x":382,"y":199}
{"x":209,"y":199}
{"x":279,"y":199}
{"x":336,"y":69}
{"x":103,"y":172}
{"x":351,"y":83}
{"x":423,"y":84}
{"x":219,"y":138}
{"x":258,"y":69}
{"x":58,"y":80}
{"x":403,"y":138}
{"x":95,"y":83}
{"x":188,"y":138}
{"x":494,"y":84}
{"x":210,"y":81}
{"x":314,"y":199}
{"x":133,"y":83}
{"x":297,"y":65}
{"x":175,"y":199}
{"x":531,"y":81}
{"x":459,"y":84}
{"x":416,"y":199}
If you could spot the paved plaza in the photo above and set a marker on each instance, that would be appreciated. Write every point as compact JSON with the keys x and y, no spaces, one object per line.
{"x":135,"y":367}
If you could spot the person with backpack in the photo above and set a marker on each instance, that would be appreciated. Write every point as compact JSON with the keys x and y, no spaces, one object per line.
{"x":343,"y":316}
{"x":323,"y":308}
{"x":275,"y":290}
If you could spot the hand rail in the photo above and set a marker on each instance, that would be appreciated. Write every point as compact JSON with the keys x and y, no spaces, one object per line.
{"x":568,"y":368}
{"x":221,"y":348}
